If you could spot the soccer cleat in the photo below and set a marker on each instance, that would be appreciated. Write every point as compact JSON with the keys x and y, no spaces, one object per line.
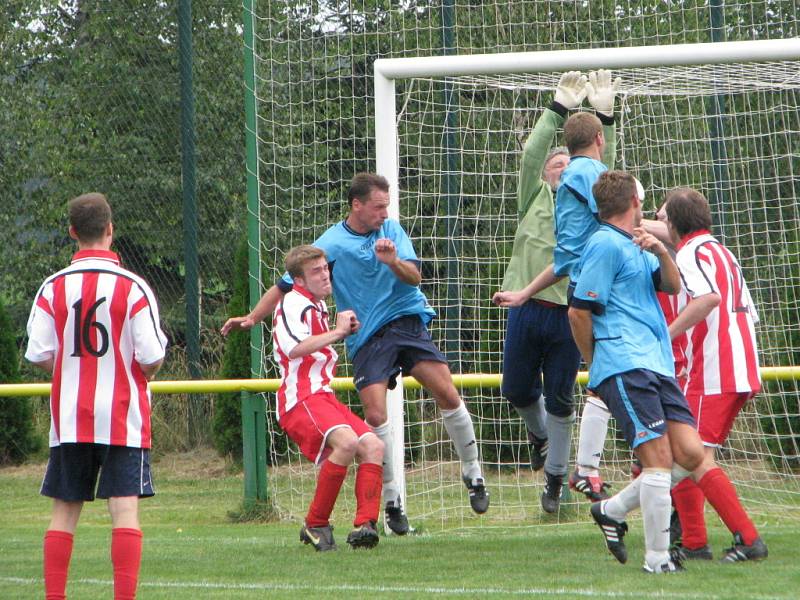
{"x":538,"y":451}
{"x":363,"y":536}
{"x":613,"y":532}
{"x":683,"y":554}
{"x":396,"y":519}
{"x":551,"y":496}
{"x":319,"y":537}
{"x":478,"y":495}
{"x":740,"y":551}
{"x":590,"y":486}
{"x":670,"y":566}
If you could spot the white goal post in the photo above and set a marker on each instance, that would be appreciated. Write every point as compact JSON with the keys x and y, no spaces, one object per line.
{"x":388,"y":71}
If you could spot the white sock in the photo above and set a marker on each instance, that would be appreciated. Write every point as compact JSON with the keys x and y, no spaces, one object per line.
{"x":624,"y":501}
{"x":390,"y":491}
{"x":592,"y":437}
{"x":534,"y":417}
{"x":458,"y":424}
{"x":656,"y":509}
{"x":678,"y":474}
{"x":559,"y":435}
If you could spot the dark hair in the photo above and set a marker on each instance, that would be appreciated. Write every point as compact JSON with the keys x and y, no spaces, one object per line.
{"x":89,"y":216}
{"x":612,"y":193}
{"x":580,"y":130}
{"x":362,"y":185}
{"x":687,"y":211}
{"x":299,"y":256}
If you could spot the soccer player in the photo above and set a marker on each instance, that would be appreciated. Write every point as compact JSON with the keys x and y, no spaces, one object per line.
{"x":621,"y":332}
{"x":538,"y":340}
{"x":722,"y":359}
{"x":324,"y":429}
{"x":94,"y":327}
{"x":375,"y":273}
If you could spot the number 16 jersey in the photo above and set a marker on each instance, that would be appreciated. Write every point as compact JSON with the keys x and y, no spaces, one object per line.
{"x":98,"y":322}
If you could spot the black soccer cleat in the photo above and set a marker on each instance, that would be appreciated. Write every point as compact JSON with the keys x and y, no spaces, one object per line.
{"x":478,"y":495}
{"x":740,"y":551}
{"x":363,"y":536}
{"x":613,"y":532}
{"x":551,"y":496}
{"x":590,"y":486}
{"x":670,"y":566}
{"x":683,"y":554}
{"x":539,"y":448}
{"x":321,"y":538}
{"x":396,"y":519}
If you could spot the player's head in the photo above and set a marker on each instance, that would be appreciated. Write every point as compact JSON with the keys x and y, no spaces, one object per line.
{"x":582,"y":131}
{"x":617,"y":192}
{"x":554,"y":164}
{"x":308,"y":266}
{"x":90,"y":219}
{"x":687,"y":211}
{"x":369,"y":202}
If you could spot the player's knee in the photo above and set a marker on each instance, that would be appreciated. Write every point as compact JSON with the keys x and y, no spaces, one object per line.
{"x":345,"y":444}
{"x":560,"y":405}
{"x":521,"y":396}
{"x":370,"y":449}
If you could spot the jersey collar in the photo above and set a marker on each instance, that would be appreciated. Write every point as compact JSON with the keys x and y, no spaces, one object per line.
{"x":305,"y":293}
{"x":95,"y":255}
{"x":352,"y":231}
{"x":690,"y":236}
{"x":617,"y":229}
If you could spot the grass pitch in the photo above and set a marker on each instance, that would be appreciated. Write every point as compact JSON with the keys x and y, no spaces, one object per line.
{"x":192,"y":550}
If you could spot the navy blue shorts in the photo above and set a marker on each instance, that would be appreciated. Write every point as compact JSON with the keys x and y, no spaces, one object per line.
{"x":642,"y":402}
{"x":72,"y":472}
{"x":395,"y":347}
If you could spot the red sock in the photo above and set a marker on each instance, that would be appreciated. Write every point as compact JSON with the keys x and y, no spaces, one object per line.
{"x":329,"y":482}
{"x":722,"y":495}
{"x":126,"y":555}
{"x":369,"y":482}
{"x":57,"y":552}
{"x":689,"y":502}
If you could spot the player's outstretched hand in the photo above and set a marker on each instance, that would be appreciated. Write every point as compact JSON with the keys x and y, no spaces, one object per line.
{"x":571,"y":90}
{"x":347,"y":323}
{"x":386,"y":251}
{"x":509,"y":299}
{"x":601,"y":91}
{"x":649,"y":242}
{"x":237,"y":324}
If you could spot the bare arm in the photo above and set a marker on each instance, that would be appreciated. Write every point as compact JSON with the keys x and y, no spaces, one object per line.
{"x":265,"y":307}
{"x":405,"y":270}
{"x":151,"y":369}
{"x":580,"y":321}
{"x":670,"y":277}
{"x":541,"y":282}
{"x":658,"y":229}
{"x":46,"y":365}
{"x":694,"y":312}
{"x":346,"y":324}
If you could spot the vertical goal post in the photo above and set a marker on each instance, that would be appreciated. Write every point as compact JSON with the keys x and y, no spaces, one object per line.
{"x":387,"y":144}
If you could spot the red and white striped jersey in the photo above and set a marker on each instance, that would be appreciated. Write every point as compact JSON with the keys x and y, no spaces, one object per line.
{"x":98,"y":322}
{"x":298,"y":317}
{"x":671,"y":305}
{"x":721,"y":350}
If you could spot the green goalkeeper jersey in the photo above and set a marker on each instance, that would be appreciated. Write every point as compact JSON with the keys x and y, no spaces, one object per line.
{"x":535,"y":237}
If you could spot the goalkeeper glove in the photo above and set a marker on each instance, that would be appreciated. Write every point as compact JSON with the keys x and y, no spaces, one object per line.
{"x":571,"y":90}
{"x":601,"y":91}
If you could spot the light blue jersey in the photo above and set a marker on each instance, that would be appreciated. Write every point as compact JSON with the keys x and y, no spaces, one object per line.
{"x":617,"y":281}
{"x":576,"y":213}
{"x":365,"y":285}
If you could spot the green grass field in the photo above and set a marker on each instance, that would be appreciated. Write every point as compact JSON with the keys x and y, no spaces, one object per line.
{"x":192,"y":550}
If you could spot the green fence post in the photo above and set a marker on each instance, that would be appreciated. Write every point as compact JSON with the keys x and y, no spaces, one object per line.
{"x":254,"y":448}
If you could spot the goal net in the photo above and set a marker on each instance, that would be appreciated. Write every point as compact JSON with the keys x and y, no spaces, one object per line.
{"x":729,"y":130}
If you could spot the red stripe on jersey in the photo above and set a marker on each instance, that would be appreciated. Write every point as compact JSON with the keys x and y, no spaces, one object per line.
{"x":42,"y":303}
{"x":87,"y":378}
{"x":304,"y":370}
{"x":140,"y":304}
{"x":144,"y":402}
{"x":60,"y":318}
{"x":321,"y":320}
{"x":122,"y":387}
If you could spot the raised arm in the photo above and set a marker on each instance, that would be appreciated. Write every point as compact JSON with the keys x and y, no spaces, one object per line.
{"x":346,"y":324}
{"x":670,"y":277}
{"x":405,"y":270}
{"x":265,"y":307}
{"x":601,"y":92}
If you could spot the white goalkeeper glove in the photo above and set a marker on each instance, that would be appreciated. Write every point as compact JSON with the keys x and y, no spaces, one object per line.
{"x":601,"y":91}
{"x":571,"y":90}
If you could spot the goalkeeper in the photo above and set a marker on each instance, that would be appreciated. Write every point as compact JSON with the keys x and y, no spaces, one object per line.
{"x":539,"y":352}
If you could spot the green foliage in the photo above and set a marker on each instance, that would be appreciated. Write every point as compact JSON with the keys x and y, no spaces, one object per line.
{"x":17,"y":438}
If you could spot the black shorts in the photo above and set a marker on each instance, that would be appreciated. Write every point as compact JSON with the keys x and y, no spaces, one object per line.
{"x":72,"y":471}
{"x":395,"y":347}
{"x":642,"y":402}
